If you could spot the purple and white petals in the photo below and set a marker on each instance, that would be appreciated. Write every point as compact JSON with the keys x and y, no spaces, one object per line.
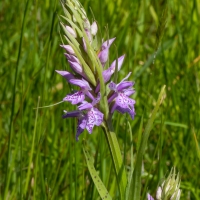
{"x":85,"y":106}
{"x":75,"y":98}
{"x":87,"y":98}
{"x":124,"y":104}
{"x":120,"y":98}
{"x":89,"y":120}
{"x":112,"y":86}
{"x":123,"y":85}
{"x":128,"y":92}
{"x":95,"y":117}
{"x":98,"y":117}
{"x":81,"y":83}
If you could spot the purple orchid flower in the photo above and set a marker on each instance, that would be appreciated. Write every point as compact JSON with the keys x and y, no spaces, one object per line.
{"x":88,"y":116}
{"x":120,"y":97}
{"x":110,"y":71}
{"x":78,"y":96}
{"x":103,"y":54}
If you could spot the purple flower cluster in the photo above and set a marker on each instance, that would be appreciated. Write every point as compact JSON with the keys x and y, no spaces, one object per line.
{"x":88,"y":97}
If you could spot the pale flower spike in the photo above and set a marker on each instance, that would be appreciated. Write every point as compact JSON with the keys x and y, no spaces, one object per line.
{"x":82,"y":55}
{"x":169,"y":189}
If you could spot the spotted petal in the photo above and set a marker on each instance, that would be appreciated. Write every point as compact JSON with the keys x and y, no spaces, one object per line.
{"x":124,"y":104}
{"x":75,"y":98}
{"x":98,"y":117}
{"x":95,"y":117}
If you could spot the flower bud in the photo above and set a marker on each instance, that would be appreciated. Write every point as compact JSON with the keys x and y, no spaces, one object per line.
{"x":159,"y":193}
{"x":94,"y":28}
{"x":71,"y":31}
{"x":69,"y":49}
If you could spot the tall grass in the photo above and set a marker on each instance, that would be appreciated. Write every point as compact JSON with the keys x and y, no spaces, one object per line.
{"x":39,"y":157}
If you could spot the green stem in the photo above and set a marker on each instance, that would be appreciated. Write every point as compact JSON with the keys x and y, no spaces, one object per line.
{"x":116,"y":158}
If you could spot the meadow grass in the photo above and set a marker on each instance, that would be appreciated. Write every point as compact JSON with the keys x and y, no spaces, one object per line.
{"x":39,"y":157}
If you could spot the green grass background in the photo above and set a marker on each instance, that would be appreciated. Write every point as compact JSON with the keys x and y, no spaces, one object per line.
{"x":39,"y":157}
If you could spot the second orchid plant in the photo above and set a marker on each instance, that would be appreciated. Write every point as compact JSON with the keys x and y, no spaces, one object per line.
{"x":99,"y":94}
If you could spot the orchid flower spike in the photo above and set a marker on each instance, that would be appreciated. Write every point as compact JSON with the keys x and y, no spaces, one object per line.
{"x":87,"y":59}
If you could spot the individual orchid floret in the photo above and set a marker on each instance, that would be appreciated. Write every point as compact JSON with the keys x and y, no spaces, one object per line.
{"x":120,"y":100}
{"x":71,"y":31}
{"x":69,"y":49}
{"x":103,"y":54}
{"x":79,"y":96}
{"x":87,"y":118}
{"x":72,"y":58}
{"x":110,"y":71}
{"x":76,"y":67}
{"x":86,"y":105}
{"x":67,"y":75}
{"x":90,"y":30}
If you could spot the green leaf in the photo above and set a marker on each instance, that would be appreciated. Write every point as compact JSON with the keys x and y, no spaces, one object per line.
{"x":134,"y":192}
{"x":139,"y":135}
{"x":130,"y":174}
{"x":103,"y":192}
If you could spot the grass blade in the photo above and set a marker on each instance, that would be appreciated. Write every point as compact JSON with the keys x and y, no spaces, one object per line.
{"x":136,"y":179}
